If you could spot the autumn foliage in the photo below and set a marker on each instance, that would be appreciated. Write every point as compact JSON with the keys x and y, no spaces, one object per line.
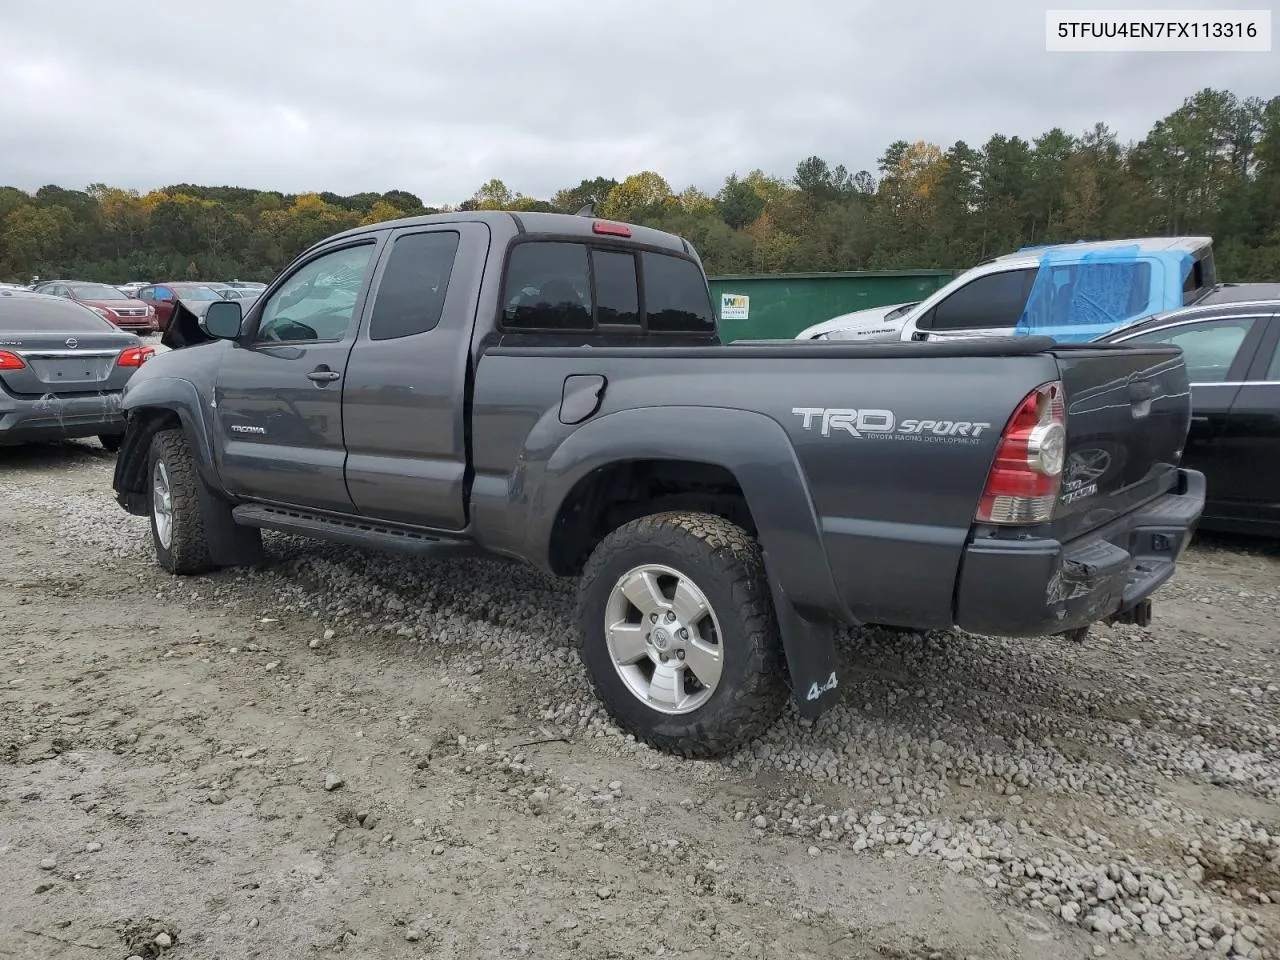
{"x":1210,"y":167}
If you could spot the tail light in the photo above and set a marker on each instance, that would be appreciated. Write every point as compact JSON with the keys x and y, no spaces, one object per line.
{"x":10,"y":361}
{"x":1026,"y":477}
{"x":135,"y":356}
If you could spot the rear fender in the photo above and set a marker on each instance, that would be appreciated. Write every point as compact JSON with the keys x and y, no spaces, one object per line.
{"x":758,"y":453}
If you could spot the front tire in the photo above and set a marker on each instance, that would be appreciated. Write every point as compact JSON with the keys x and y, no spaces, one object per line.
{"x":177,"y":524}
{"x":678,"y":633}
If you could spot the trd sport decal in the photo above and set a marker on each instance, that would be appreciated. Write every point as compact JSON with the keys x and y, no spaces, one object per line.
{"x":872,"y":424}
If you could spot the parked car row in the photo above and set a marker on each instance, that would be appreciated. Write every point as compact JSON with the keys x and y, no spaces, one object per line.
{"x":148,"y":307}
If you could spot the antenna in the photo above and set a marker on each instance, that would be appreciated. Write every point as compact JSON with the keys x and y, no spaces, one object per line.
{"x":588,"y":210}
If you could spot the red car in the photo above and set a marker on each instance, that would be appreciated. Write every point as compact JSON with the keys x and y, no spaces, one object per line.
{"x":108,"y":303}
{"x":163,"y":296}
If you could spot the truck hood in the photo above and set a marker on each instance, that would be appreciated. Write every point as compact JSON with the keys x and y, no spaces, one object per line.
{"x":866,"y":326}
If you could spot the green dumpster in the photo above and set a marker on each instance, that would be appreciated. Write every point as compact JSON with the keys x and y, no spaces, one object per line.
{"x":778,"y":307}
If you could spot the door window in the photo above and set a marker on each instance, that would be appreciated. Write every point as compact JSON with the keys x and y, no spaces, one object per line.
{"x":1273,"y":371}
{"x":1209,"y":348}
{"x":411,"y":292}
{"x":164,"y":294}
{"x":146,"y":293}
{"x":993,"y":301}
{"x":317,"y":303}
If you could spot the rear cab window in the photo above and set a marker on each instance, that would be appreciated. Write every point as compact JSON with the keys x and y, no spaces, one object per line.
{"x":562,"y":286}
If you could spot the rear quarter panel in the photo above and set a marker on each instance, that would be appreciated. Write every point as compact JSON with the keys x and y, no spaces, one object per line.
{"x":894,"y":507}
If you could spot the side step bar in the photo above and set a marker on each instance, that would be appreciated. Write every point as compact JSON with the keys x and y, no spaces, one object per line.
{"x":349,"y":530}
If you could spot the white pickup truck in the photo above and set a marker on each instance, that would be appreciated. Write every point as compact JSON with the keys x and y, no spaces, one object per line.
{"x":1073,"y":291}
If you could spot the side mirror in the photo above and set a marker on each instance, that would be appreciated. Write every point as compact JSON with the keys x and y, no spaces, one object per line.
{"x":223,"y":319}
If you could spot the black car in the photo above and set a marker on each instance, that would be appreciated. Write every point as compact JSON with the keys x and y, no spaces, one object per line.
{"x":1232,"y":353}
{"x":62,"y":370}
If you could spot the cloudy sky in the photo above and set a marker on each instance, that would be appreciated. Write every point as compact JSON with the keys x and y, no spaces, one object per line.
{"x":437,"y":96}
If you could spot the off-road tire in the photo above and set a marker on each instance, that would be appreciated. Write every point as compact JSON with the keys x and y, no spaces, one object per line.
{"x":188,"y":550}
{"x":727,"y":565}
{"x":111,"y":441}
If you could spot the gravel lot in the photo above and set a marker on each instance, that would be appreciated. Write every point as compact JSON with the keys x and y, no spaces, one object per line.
{"x":350,"y":754}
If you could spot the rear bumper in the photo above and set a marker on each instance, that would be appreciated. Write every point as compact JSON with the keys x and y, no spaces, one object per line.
{"x":60,"y":418}
{"x":1027,"y":588}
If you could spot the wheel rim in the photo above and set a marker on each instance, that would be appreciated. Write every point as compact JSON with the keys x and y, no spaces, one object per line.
{"x":162,"y":503}
{"x":664,"y":639}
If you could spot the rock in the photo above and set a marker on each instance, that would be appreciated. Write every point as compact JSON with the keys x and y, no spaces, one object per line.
{"x":1070,"y":912}
{"x":224,"y":918}
{"x":314,"y":644}
{"x":412,"y":935}
{"x":1099,"y":950}
{"x":329,"y":634}
{"x":92,"y":846}
{"x":217,"y":798}
{"x":332,"y":782}
{"x":814,"y":851}
{"x":760,"y":823}
{"x":604,"y":893}
{"x":48,"y":863}
{"x":1107,"y":890}
{"x":1131,"y":884}
{"x":1222,"y":946}
{"x":1195,"y":873}
{"x":163,"y":941}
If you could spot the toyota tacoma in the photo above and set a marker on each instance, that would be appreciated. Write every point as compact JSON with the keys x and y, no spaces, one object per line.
{"x":550,"y":388}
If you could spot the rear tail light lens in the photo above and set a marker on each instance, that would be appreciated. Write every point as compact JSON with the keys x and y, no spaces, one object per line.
{"x":1026,"y":477}
{"x":135,"y":356}
{"x":10,"y":361}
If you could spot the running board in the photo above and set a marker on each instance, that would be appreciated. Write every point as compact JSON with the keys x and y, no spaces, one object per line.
{"x":353,"y":531}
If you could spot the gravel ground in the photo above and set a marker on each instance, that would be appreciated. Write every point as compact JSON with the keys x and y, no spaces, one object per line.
{"x":352,"y":754}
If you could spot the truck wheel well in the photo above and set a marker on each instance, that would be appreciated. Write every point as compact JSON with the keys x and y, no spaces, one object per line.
{"x":132,"y":469}
{"x":610,"y":496}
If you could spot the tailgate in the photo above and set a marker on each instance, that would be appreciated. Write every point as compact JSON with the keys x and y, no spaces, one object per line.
{"x":1128,"y":412}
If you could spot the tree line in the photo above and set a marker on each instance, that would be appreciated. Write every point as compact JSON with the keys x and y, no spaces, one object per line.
{"x":1212,"y":166}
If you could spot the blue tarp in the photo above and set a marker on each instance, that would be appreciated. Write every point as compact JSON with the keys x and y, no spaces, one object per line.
{"x":1080,"y":296}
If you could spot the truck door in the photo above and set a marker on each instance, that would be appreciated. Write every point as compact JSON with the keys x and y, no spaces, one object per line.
{"x":279,"y":396}
{"x":404,"y":396}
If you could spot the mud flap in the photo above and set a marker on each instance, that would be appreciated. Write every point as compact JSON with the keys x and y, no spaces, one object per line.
{"x":230,"y":545}
{"x":810,"y":648}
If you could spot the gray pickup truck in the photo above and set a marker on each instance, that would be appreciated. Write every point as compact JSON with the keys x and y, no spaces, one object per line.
{"x":551,"y":389}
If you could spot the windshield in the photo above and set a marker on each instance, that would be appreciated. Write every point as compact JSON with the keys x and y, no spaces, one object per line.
{"x":198,"y":292}
{"x":96,"y":291}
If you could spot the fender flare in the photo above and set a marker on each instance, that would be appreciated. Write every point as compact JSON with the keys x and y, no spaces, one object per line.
{"x":757,"y":451}
{"x":179,"y":397}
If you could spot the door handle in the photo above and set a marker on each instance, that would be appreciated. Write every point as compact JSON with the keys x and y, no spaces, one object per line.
{"x":1199,"y":419}
{"x":323,"y":375}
